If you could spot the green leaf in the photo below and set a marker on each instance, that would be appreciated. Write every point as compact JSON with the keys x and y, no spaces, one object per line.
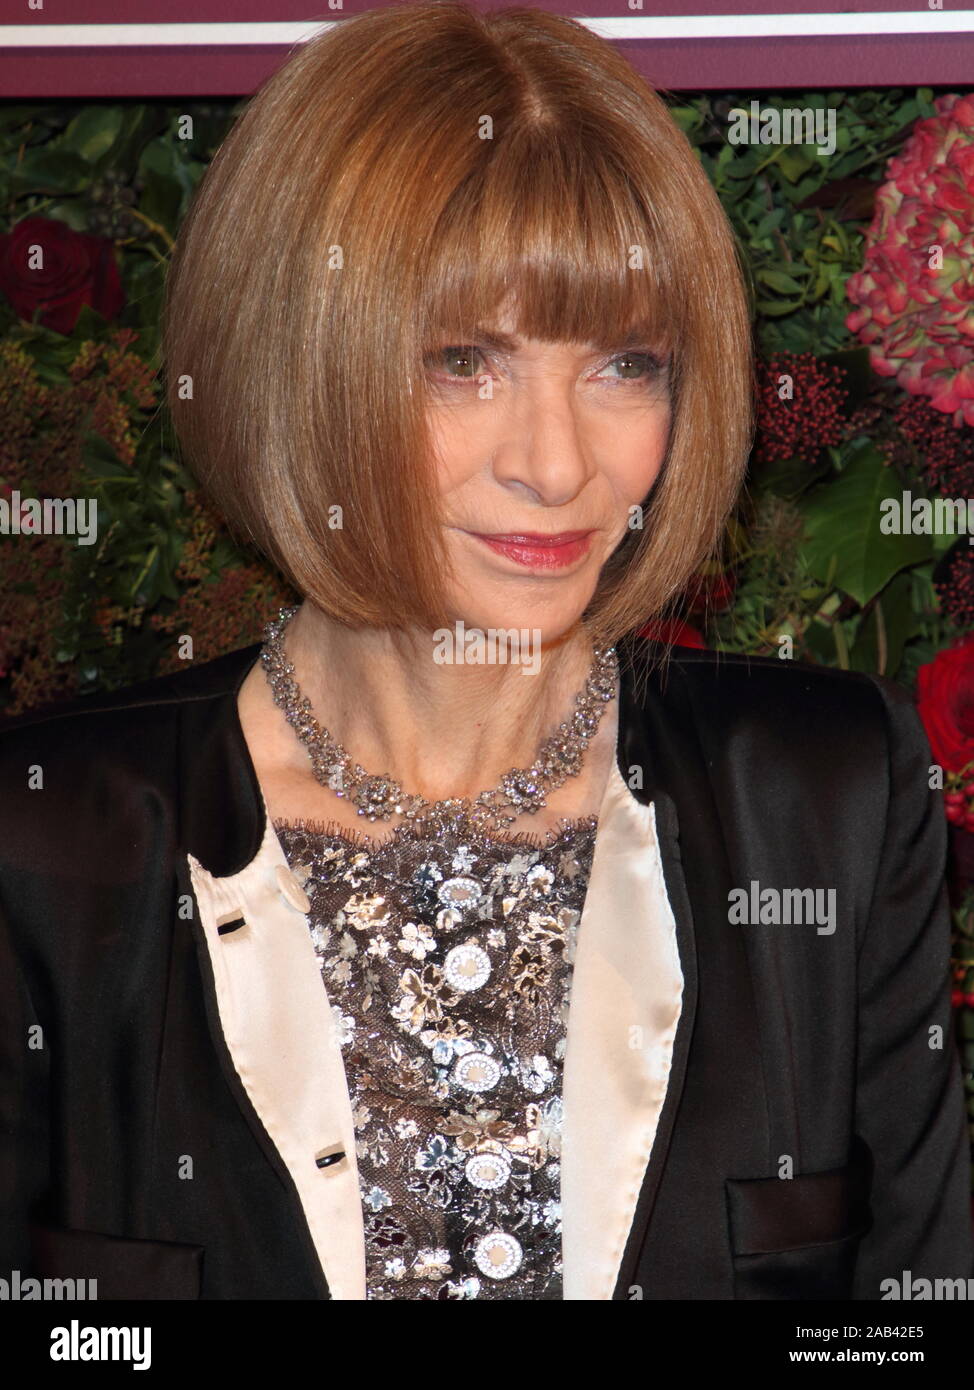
{"x":768,"y":223}
{"x":819,"y":643}
{"x":788,"y":477}
{"x":143,"y":280}
{"x":780,"y":282}
{"x":891,"y":616}
{"x":842,"y":520}
{"x":92,"y":131}
{"x":100,"y":459}
{"x":163,"y":195}
{"x":942,"y":542}
{"x":924,"y":101}
{"x":91,"y":324}
{"x":45,"y":170}
{"x":13,"y":116}
{"x":51,"y":354}
{"x":794,"y":161}
{"x":139,"y":124}
{"x":686,"y":117}
{"x":775,"y":308}
{"x":72,"y":212}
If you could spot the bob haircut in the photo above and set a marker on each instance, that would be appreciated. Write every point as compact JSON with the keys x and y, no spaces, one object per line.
{"x":396,"y":180}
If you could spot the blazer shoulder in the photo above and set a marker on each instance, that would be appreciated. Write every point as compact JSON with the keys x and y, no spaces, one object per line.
{"x":741,"y":681}
{"x":794,"y":700}
{"x":92,"y":746}
{"x":83,"y":777}
{"x":132,"y":703}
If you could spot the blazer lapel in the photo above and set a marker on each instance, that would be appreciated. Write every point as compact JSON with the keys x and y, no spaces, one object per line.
{"x":624,"y":1008}
{"x":267,"y":1006}
{"x":647,"y":727}
{"x":278,"y":1027}
{"x":717,"y":1067}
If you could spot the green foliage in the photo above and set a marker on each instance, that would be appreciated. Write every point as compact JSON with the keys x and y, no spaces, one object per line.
{"x":842,"y":528}
{"x":804,"y":545}
{"x":799,"y":215}
{"x":75,"y":618}
{"x":846,"y":593}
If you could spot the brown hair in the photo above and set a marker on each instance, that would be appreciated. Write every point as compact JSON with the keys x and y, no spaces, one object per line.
{"x":355,"y":207}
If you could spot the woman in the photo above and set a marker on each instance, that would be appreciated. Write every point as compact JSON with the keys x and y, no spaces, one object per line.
{"x":357,"y":965}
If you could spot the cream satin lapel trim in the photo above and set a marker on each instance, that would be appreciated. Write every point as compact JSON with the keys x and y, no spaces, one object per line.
{"x":277,"y":1021}
{"x":624,"y":1007}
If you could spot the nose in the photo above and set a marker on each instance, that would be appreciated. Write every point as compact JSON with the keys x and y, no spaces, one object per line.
{"x":542,"y":446}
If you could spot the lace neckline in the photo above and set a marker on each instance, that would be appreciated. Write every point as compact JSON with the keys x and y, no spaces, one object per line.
{"x":568,"y":828}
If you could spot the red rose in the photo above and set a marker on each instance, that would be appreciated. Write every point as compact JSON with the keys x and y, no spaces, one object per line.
{"x":77,"y":270}
{"x":672,"y":632}
{"x":945,"y":703}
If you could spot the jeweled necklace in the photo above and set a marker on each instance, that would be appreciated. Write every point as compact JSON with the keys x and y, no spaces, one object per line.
{"x":381,"y":797}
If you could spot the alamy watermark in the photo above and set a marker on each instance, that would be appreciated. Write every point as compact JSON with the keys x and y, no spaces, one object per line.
{"x":77,"y":1343}
{"x":757,"y":906}
{"x":914,"y":1290}
{"x":493,"y":646}
{"x":19,"y":1290}
{"x":907,"y":515}
{"x":791,"y":125}
{"x":49,"y":516}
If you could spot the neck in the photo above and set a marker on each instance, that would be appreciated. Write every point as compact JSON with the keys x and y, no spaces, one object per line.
{"x":440,"y":729}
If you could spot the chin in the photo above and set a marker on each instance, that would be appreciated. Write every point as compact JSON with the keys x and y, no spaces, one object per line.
{"x":541,"y":623}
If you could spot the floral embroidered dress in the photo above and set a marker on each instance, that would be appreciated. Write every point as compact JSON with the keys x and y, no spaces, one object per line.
{"x":447,"y":960}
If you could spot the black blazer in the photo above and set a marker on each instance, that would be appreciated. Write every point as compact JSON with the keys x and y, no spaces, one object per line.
{"x":832,"y":1051}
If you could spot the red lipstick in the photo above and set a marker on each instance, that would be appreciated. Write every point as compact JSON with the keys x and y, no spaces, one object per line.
{"x":537,"y":550}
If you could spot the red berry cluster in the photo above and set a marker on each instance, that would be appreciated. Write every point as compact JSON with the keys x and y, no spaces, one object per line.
{"x":810,"y":420}
{"x":946,"y":453}
{"x":956,"y":589}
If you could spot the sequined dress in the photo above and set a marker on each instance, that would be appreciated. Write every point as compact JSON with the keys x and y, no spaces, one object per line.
{"x":447,"y":961}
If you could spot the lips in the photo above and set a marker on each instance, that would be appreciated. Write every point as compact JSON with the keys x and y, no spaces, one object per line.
{"x":539,"y":551}
{"x":533,"y":537}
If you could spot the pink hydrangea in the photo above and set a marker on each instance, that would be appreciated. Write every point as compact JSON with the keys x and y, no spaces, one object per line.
{"x":916,"y":318}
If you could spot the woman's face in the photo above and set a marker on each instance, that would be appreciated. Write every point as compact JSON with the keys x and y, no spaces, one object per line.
{"x":540,"y":439}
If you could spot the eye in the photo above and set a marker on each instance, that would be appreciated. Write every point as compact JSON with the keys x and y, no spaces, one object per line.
{"x":460,"y":363}
{"x":640,"y":368}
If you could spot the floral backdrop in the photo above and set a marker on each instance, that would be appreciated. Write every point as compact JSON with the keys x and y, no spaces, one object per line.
{"x":862,"y":286}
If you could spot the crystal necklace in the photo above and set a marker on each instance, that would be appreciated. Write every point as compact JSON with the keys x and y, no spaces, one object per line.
{"x":379,"y":797}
